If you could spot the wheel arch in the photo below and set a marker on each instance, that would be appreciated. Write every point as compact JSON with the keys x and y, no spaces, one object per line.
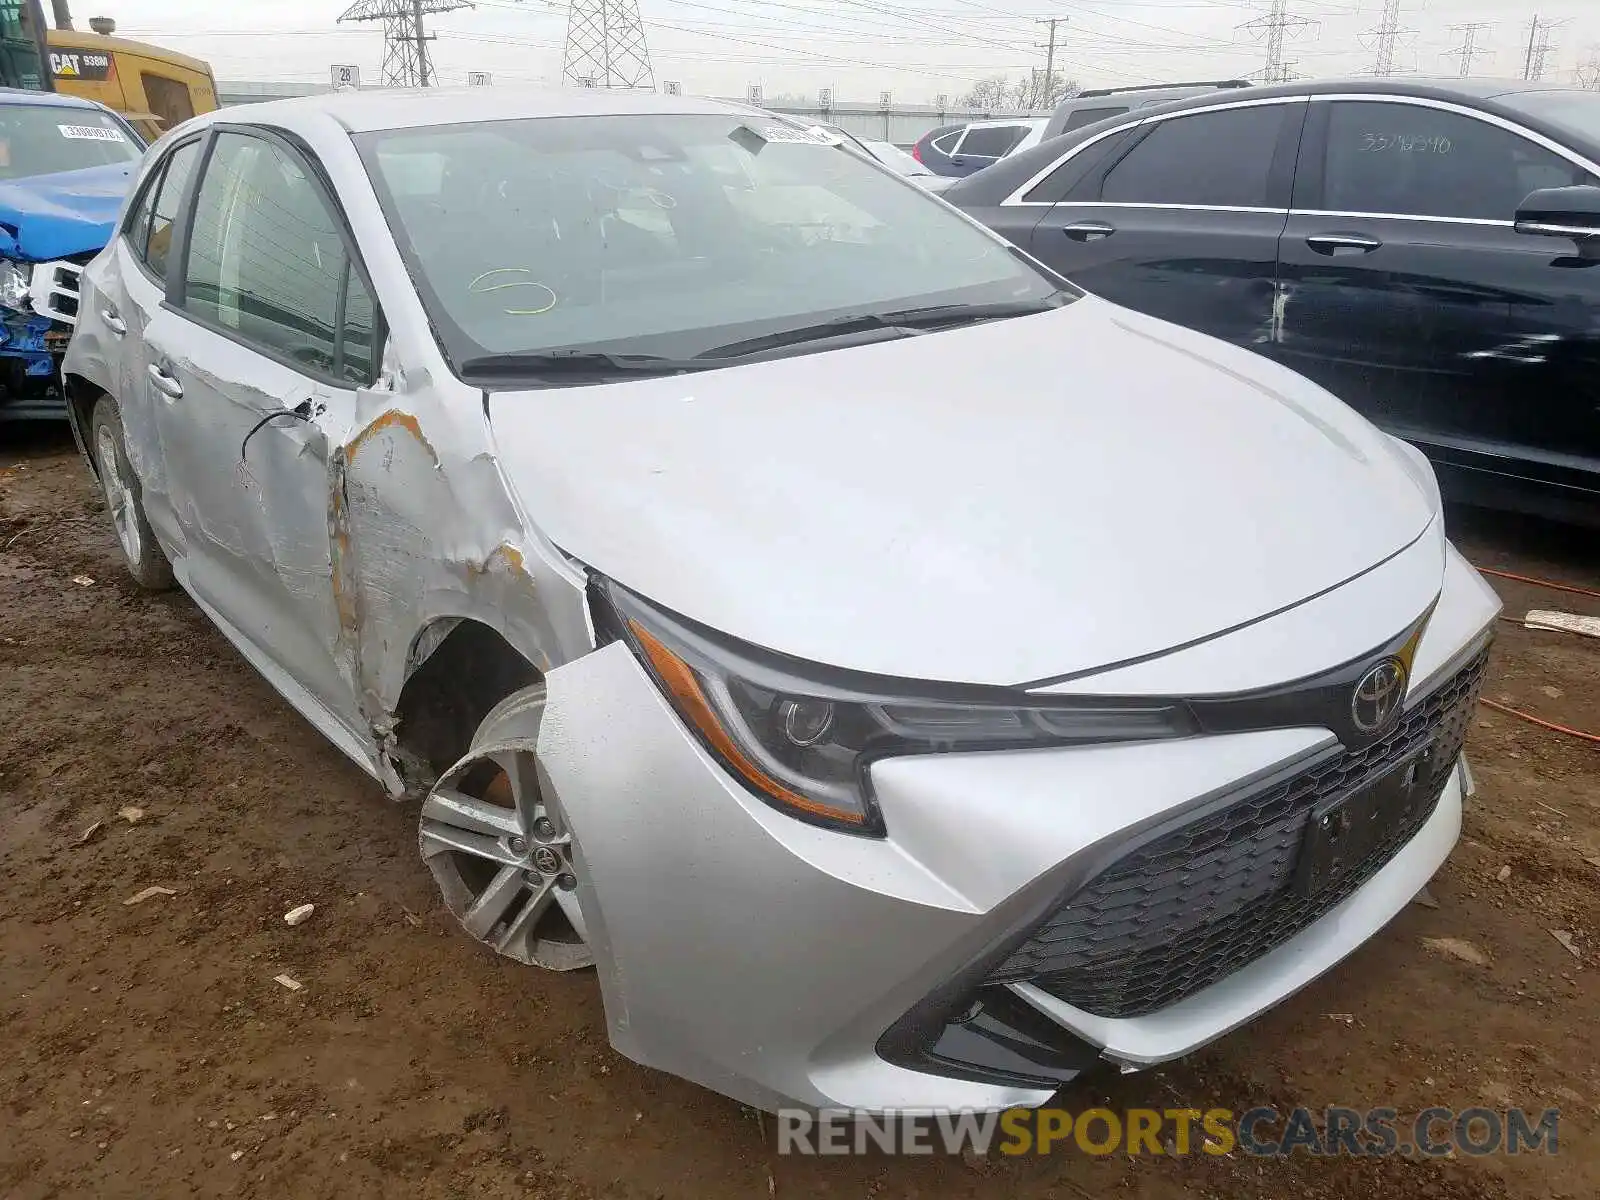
{"x":458,"y":667}
{"x":82,"y":395}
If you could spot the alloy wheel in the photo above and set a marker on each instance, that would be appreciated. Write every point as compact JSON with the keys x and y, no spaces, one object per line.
{"x":502,"y":855}
{"x":119,"y":497}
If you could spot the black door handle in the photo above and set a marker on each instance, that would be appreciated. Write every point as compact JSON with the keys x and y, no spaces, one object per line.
{"x":1088,"y":231}
{"x":1343,"y":243}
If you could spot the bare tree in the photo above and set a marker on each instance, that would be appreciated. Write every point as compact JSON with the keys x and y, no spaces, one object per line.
{"x":1047,"y":92}
{"x":992,"y":94}
{"x":1000,"y":93}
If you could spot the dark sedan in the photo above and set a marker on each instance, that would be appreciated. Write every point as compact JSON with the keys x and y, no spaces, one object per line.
{"x":1429,"y":251}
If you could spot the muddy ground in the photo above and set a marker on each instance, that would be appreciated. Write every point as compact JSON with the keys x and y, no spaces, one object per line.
{"x":148,"y":1051}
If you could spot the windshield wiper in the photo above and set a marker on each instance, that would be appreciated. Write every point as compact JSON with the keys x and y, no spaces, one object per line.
{"x":969,"y":314}
{"x":563,"y":363}
{"x":911,"y":320}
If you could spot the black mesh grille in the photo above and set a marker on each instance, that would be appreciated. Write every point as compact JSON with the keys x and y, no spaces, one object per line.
{"x":1194,"y":905}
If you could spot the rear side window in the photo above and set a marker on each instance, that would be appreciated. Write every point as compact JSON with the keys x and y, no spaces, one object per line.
{"x":992,"y":141}
{"x":1075,"y":172}
{"x":267,"y":262}
{"x":945,"y":143}
{"x":1412,"y":160}
{"x":359,"y":331}
{"x":1212,"y":158}
{"x":164,"y":212}
{"x":1088,"y":116}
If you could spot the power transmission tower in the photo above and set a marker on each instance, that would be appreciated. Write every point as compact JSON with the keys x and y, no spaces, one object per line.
{"x":406,"y":61}
{"x":605,"y":46}
{"x":1540,"y":47}
{"x":1274,"y":27}
{"x":1469,"y":48}
{"x":1385,"y":36}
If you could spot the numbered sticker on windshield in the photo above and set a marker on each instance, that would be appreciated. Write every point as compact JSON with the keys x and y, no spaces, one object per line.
{"x":787,"y":133}
{"x":91,"y":133}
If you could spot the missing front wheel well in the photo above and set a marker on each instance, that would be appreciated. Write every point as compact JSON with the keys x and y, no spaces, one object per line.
{"x":447,"y":697}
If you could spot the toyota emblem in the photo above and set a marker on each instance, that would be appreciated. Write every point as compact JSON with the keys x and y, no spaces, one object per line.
{"x":1376,"y":700}
{"x":546,"y":861}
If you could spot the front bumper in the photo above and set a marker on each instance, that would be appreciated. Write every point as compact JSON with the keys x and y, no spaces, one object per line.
{"x":784,"y":964}
{"x":33,"y":343}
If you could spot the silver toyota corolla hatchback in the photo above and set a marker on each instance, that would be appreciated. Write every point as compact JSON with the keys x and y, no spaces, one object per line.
{"x":905,"y":679}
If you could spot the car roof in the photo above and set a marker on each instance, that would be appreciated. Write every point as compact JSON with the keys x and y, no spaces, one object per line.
{"x":1485,"y":94}
{"x":407,"y":108}
{"x":1437,"y":87}
{"x":1136,"y":96}
{"x":45,"y":99}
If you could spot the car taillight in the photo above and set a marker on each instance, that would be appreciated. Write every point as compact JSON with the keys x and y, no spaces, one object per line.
{"x":916,"y":152}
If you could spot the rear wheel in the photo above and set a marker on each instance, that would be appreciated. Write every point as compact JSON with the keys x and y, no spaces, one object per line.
{"x":503,"y":854}
{"x":124,"y":504}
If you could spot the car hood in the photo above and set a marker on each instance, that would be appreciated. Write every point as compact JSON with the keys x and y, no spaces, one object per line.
{"x":44,"y":217}
{"x":1000,"y":503}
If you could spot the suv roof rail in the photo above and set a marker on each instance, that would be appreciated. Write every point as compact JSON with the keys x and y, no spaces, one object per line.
{"x":1160,"y":87}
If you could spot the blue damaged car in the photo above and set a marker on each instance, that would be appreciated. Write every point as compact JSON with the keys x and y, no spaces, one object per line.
{"x":65,"y":166}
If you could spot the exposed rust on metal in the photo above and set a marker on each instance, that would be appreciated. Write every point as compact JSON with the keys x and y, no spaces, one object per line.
{"x":339,"y":537}
{"x":388,"y":419}
{"x":505,"y":553}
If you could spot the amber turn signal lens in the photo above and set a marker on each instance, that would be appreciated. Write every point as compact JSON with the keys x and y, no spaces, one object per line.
{"x":680,"y":680}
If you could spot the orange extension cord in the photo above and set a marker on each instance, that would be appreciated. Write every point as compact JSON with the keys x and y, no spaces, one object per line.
{"x":1517,"y":712}
{"x":1545,"y":583}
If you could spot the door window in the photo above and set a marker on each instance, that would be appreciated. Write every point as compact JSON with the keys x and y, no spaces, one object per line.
{"x":137,"y":226}
{"x":991,"y":141}
{"x":268,"y":264}
{"x":1410,"y":160}
{"x":164,"y":212}
{"x":1212,"y":158}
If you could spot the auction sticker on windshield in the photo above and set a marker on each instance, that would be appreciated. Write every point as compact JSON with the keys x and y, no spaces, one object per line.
{"x":786,"y":133}
{"x":91,"y":133}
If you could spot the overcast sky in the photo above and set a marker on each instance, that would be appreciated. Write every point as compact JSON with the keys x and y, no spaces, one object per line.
{"x":863,"y":47}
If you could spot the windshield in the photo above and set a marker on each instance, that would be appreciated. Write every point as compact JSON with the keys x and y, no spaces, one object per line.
{"x":42,"y":139}
{"x":1577,"y":111}
{"x":666,"y":235}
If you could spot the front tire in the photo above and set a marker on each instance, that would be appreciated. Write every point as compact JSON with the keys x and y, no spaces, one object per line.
{"x":124,"y":502}
{"x":502,"y":851}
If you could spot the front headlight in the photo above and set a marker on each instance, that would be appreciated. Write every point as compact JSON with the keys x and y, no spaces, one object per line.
{"x":14,"y":281}
{"x":803,"y":737}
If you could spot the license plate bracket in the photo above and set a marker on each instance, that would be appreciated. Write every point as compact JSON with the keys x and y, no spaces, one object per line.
{"x":1345,"y":830}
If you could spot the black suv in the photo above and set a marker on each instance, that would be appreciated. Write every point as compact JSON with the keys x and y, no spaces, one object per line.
{"x":1430,"y":252}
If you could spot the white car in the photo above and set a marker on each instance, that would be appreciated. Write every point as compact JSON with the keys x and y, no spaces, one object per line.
{"x":907,"y":679}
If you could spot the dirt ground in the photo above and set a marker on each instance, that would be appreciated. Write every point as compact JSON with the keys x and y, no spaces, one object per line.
{"x":148,"y":1051}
